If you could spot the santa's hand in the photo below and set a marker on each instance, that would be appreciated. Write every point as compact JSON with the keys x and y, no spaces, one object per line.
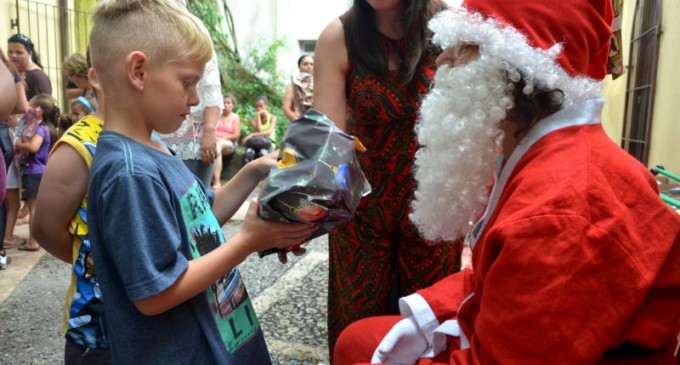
{"x":403,"y":344}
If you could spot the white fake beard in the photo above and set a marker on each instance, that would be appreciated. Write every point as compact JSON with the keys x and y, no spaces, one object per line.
{"x":460,"y":138}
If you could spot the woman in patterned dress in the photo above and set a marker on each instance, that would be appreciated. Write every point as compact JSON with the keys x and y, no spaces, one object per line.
{"x":373,"y":65}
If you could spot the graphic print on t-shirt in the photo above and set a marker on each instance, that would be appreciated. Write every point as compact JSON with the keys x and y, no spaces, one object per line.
{"x":228,"y":298}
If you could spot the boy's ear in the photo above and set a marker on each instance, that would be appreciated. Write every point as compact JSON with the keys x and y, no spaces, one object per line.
{"x":136,"y":66}
{"x":93,"y":79}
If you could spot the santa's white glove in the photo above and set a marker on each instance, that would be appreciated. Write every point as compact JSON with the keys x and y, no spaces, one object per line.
{"x":403,"y":344}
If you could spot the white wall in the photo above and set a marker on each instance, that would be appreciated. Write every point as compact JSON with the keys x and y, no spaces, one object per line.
{"x":291,"y":20}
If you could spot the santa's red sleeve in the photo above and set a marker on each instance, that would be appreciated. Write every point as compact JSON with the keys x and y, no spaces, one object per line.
{"x":432,"y":307}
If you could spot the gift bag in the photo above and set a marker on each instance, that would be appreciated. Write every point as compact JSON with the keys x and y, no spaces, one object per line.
{"x":317,"y":178}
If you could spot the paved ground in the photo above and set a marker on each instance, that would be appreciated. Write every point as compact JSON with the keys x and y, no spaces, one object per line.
{"x":289,"y":299}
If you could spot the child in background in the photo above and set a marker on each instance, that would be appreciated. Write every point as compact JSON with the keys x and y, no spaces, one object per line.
{"x":61,"y":228}
{"x":227,"y":132}
{"x":173,"y":292}
{"x":80,"y":107}
{"x":259,"y":143}
{"x":32,"y":150}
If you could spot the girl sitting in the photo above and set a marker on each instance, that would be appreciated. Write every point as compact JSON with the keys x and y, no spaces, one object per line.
{"x":259,"y":143}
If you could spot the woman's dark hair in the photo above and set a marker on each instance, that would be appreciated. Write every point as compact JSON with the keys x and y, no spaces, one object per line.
{"x":263,"y":99}
{"x":232,"y":98}
{"x":65,"y":122}
{"x":363,"y":38}
{"x":529,"y":109}
{"x":26,"y":42}
{"x":302,"y":58}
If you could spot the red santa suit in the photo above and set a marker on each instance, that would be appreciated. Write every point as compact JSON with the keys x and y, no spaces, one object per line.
{"x":576,"y":261}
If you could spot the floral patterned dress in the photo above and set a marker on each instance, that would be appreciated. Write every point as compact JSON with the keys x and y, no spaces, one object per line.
{"x":380,"y":255}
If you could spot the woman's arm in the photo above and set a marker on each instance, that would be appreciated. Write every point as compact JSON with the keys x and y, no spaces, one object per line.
{"x":22,"y":102}
{"x":267,"y":132}
{"x":330,"y":69}
{"x":272,"y":126}
{"x":237,"y":130}
{"x":8,"y":96}
{"x":288,"y":105}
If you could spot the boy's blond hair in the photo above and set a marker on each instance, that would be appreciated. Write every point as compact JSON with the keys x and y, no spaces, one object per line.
{"x":161,"y":29}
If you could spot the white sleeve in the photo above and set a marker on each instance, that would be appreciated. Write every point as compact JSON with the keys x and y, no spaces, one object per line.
{"x":209,"y":87}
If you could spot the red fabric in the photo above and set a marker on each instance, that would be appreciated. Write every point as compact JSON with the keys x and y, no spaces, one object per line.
{"x":578,"y":264}
{"x":583,"y":25}
{"x":573,"y":214}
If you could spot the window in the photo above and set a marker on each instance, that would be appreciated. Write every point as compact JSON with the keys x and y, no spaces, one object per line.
{"x":307,"y":47}
{"x":644,"y":50}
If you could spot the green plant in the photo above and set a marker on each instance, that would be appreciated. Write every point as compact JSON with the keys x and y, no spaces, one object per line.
{"x":246,"y":77}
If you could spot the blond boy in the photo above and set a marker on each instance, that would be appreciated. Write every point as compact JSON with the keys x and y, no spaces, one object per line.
{"x":173,"y":294}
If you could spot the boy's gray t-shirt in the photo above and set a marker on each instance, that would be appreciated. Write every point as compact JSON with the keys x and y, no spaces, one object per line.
{"x":149,"y":216}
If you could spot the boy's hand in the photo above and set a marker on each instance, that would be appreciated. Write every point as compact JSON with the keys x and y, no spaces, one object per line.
{"x":262,"y":165}
{"x":262,"y":235}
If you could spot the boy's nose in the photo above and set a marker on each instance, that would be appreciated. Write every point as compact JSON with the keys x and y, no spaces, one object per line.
{"x":194,"y":99}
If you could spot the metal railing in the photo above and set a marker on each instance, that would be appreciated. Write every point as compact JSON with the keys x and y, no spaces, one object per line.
{"x":56,"y":32}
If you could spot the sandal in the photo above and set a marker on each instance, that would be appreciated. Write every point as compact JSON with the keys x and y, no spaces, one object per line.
{"x":14,"y":242}
{"x":26,"y":247}
{"x":23,"y":220}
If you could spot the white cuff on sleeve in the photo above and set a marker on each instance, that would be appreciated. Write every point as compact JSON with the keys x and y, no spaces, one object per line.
{"x":416,"y":306}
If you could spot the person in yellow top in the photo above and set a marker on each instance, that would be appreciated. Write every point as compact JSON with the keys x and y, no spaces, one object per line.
{"x":259,"y":143}
{"x":61,"y":228}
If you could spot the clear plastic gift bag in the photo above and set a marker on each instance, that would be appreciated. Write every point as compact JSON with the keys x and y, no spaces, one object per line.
{"x":317,"y":178}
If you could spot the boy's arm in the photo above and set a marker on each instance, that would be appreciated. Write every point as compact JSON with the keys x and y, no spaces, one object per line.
{"x":135,"y":226}
{"x":64,"y":184}
{"x":254,"y":235}
{"x":230,"y":197}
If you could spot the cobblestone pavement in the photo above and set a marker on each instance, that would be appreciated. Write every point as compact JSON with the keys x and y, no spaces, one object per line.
{"x":290,"y":301}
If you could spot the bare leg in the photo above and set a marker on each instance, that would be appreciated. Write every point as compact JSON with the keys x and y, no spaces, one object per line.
{"x":13,"y":202}
{"x":224,"y":148}
{"x":218,"y":169}
{"x":32,"y":244}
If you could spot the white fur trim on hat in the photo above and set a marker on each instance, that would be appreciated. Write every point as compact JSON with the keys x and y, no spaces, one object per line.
{"x":506,"y":43}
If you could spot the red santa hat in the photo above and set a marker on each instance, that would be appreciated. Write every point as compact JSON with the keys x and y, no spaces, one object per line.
{"x":552,"y":43}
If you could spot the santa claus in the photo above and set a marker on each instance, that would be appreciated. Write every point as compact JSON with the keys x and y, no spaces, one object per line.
{"x":576,"y":259}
